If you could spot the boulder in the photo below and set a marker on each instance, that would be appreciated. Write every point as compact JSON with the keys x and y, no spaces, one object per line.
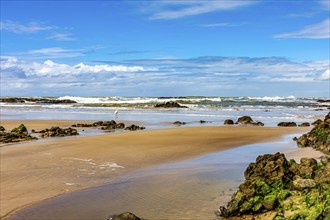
{"x":57,"y":132}
{"x":125,"y":216}
{"x":287,"y":124}
{"x":301,"y":184}
{"x":20,"y":130}
{"x":134,"y":128}
{"x":179,"y":123}
{"x":318,"y":121}
{"x":244,"y":120}
{"x":305,"y":124}
{"x":2,"y":128}
{"x":170,"y":105}
{"x":228,"y":122}
{"x":318,"y":138}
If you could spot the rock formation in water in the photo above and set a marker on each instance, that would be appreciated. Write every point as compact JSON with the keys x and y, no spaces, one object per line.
{"x":170,"y":105}
{"x":287,"y":124}
{"x":37,"y":100}
{"x":283,"y":189}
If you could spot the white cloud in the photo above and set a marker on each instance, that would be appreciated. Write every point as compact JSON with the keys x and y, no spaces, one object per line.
{"x":54,"y":52}
{"x":315,"y":31}
{"x":180,"y":9}
{"x":16,"y":27}
{"x":325,"y":4}
{"x":206,"y":75}
{"x":61,"y":37}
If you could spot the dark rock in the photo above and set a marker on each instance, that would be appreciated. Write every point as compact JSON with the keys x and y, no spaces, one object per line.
{"x":20,"y":130}
{"x":287,"y":124}
{"x":2,"y":128}
{"x":202,"y":121}
{"x":179,"y":123}
{"x":244,"y":120}
{"x":134,"y":128}
{"x":305,"y":124}
{"x":318,"y":121}
{"x":228,"y":122}
{"x":170,"y":105}
{"x":125,"y":216}
{"x":37,"y":100}
{"x":16,"y":135}
{"x":319,"y":137}
{"x":57,"y":132}
{"x":247,"y":120}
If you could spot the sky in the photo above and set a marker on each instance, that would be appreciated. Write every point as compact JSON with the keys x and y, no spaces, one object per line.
{"x":165,"y":48}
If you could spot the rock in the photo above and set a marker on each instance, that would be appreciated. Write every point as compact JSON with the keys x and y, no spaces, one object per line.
{"x":170,"y":105}
{"x":273,"y":184}
{"x":179,"y":123}
{"x":16,"y":135}
{"x":305,"y":124}
{"x":125,"y":216}
{"x":202,"y":121}
{"x":247,"y":120}
{"x":287,"y":124}
{"x":2,"y":128}
{"x":319,"y":137}
{"x":134,"y":128}
{"x":37,"y":100}
{"x":318,"y":121}
{"x":228,"y":122}
{"x":20,"y":130}
{"x":301,"y":184}
{"x":57,"y":132}
{"x":244,"y":120}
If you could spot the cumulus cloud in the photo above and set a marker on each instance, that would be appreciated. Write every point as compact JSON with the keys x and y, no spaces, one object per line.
{"x":200,"y":76}
{"x":315,"y":31}
{"x":16,"y":27}
{"x":180,"y":9}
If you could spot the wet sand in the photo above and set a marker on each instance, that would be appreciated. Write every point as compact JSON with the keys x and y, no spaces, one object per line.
{"x":34,"y":171}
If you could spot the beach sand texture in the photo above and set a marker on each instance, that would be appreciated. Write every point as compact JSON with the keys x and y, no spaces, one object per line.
{"x":34,"y":171}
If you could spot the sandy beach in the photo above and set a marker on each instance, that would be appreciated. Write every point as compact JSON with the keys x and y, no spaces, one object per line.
{"x":34,"y":171}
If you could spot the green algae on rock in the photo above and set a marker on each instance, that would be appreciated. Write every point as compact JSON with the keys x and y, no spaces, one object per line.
{"x":319,"y":137}
{"x":281,"y":188}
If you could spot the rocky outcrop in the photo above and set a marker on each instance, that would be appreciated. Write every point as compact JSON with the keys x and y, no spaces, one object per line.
{"x":228,"y":122}
{"x":284,"y":188}
{"x":134,"y":128}
{"x":16,"y":135}
{"x":110,"y":125}
{"x":318,"y":121}
{"x":170,"y":105}
{"x":179,"y":123}
{"x":57,"y":132}
{"x":247,"y":120}
{"x":125,"y":216}
{"x":318,"y":138}
{"x":305,"y":124}
{"x":37,"y":100}
{"x":287,"y":124}
{"x":2,"y":128}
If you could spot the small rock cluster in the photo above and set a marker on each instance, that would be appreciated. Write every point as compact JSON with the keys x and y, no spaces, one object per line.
{"x":111,"y":125}
{"x":57,"y":132}
{"x":244,"y":120}
{"x":285,"y":188}
{"x":15,"y":135}
{"x":170,"y":105}
{"x":319,"y":137}
{"x":179,"y":123}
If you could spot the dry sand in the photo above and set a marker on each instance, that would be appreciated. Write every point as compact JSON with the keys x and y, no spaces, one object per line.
{"x":34,"y":171}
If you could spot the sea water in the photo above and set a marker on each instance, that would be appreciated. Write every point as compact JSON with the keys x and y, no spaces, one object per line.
{"x":215,"y":110}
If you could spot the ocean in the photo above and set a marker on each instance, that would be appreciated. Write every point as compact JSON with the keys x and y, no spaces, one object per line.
{"x":214,"y":110}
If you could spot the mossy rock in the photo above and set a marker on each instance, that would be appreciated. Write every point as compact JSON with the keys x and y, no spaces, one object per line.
{"x":20,"y":130}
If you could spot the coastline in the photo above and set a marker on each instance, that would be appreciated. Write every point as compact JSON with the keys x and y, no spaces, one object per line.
{"x":35,"y":171}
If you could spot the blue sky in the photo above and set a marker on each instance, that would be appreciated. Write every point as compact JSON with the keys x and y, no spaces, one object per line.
{"x":165,"y":48}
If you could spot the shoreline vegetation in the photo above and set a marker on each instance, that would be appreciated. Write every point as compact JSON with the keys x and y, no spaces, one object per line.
{"x":44,"y":169}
